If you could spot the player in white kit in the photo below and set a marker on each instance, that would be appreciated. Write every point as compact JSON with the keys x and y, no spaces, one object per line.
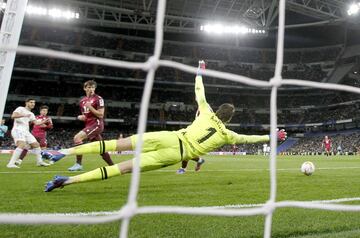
{"x":20,"y":132}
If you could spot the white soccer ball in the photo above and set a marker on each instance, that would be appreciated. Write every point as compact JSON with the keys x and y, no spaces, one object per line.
{"x":307,"y":168}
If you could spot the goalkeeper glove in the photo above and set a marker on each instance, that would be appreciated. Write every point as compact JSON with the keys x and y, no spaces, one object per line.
{"x":201,"y":67}
{"x":281,"y":134}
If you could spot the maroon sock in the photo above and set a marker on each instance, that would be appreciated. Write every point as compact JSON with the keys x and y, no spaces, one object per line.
{"x":107,"y":158}
{"x":23,"y":154}
{"x":184,"y":164}
{"x":79,"y":159}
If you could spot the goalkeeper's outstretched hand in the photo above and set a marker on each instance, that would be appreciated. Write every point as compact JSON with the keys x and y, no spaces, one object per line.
{"x":281,"y":134}
{"x":201,"y":67}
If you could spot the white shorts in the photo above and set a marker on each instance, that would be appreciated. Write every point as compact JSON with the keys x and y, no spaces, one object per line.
{"x":20,"y":135}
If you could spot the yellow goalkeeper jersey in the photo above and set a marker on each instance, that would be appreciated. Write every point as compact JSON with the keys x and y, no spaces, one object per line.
{"x":207,"y":132}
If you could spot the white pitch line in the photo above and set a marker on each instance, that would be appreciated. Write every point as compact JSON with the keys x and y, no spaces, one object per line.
{"x":38,"y":172}
{"x":13,"y":171}
{"x":107,"y":213}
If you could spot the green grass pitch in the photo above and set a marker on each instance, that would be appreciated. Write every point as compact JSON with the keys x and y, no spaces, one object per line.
{"x":223,"y":180}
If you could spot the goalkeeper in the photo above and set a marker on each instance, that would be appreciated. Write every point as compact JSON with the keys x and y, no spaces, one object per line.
{"x":163,"y":148}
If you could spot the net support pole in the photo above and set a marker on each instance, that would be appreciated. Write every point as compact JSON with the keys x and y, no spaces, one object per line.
{"x":151,"y":66}
{"x":9,"y":38}
{"x":276,"y":83}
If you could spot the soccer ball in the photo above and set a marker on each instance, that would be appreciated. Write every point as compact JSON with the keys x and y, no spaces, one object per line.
{"x":307,"y":168}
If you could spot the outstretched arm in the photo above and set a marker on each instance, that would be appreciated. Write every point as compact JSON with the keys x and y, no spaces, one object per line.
{"x":236,"y":138}
{"x":199,"y":88}
{"x":249,"y":139}
{"x":200,"y":93}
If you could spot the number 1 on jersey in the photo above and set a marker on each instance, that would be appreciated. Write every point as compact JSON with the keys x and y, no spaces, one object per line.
{"x":211,"y":130}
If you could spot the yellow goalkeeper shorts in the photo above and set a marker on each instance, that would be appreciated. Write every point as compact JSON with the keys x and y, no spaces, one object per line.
{"x":160,"y":149}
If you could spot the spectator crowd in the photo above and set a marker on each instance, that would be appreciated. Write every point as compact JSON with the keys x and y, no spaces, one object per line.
{"x":341,"y":144}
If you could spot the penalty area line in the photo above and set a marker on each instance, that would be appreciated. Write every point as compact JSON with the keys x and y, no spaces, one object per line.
{"x":107,"y":213}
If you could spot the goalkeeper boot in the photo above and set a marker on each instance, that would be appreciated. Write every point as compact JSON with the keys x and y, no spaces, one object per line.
{"x":76,"y":167}
{"x":198,"y":164}
{"x":181,"y":171}
{"x":57,"y":182}
{"x":52,"y":155}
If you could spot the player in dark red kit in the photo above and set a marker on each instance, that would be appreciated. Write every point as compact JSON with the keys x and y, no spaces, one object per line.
{"x":39,"y":131}
{"x":327,"y":144}
{"x":92,"y":113}
{"x":234,"y":149}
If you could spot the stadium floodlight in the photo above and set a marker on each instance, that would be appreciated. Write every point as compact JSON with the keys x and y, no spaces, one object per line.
{"x":56,"y":13}
{"x":2,"y":5}
{"x":353,"y":9}
{"x":34,"y":10}
{"x":218,"y":28}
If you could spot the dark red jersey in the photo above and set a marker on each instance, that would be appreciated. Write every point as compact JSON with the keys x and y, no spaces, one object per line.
{"x":97,"y":102}
{"x":40,"y":130}
{"x":327,"y":143}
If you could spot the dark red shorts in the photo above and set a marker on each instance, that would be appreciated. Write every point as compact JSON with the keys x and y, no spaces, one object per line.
{"x":93,"y":132}
{"x":327,"y":149}
{"x":42,"y":141}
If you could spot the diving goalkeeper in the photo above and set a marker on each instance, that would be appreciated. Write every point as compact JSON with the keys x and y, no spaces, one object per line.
{"x":163,"y":148}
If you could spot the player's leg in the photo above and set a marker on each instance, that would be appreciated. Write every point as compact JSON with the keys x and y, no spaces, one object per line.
{"x":43,"y":146}
{"x":41,"y":141}
{"x":105,"y":156}
{"x":78,"y":140}
{"x":166,"y":151}
{"x":182,"y":169}
{"x":97,"y":147}
{"x":149,"y":161}
{"x":100,"y":147}
{"x":37,"y":151}
{"x":34,"y":144}
{"x":20,"y":142}
{"x":199,"y":162}
{"x":20,"y":145}
{"x":22,"y":156}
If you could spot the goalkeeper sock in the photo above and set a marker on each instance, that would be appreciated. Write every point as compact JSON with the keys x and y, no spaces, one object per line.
{"x":96,"y":174}
{"x":97,"y":147}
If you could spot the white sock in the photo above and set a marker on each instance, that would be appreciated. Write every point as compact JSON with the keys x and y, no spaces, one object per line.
{"x":37,"y":152}
{"x":16,"y":154}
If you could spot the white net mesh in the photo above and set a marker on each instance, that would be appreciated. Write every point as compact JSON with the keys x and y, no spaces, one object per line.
{"x":131,"y":209}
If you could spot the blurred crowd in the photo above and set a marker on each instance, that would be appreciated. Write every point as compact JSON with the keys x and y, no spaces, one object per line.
{"x":250,"y":62}
{"x":170,"y":106}
{"x":194,"y":50}
{"x":341,"y":144}
{"x":311,"y":73}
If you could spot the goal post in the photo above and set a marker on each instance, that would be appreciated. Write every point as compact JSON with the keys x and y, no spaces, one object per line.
{"x":9,"y":40}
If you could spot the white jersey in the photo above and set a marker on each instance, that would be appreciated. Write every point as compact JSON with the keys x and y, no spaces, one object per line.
{"x":22,"y":123}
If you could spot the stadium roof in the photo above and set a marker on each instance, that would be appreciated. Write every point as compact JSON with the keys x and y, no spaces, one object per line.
{"x":188,"y":15}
